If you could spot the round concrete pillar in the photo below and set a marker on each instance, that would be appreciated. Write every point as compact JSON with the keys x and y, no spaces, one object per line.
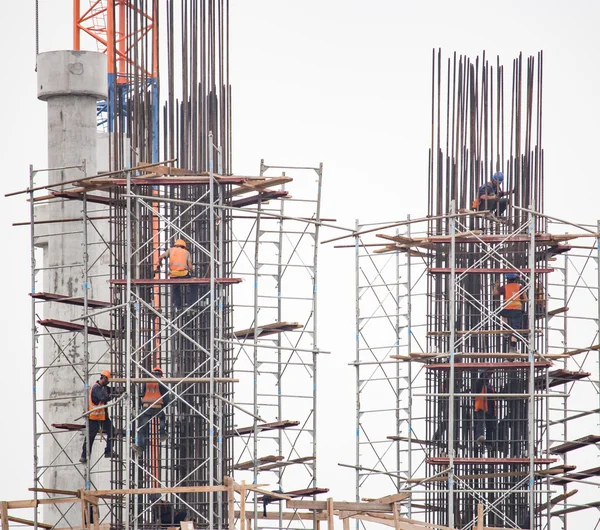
{"x":71,"y":82}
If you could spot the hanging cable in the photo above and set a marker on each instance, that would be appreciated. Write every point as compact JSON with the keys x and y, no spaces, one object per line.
{"x":37,"y":32}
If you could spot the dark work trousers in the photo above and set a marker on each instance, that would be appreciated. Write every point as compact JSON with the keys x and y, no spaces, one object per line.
{"x":95,"y":426}
{"x":485,"y":421}
{"x":170,"y":517}
{"x":514,"y":318}
{"x":147,"y":416}
{"x":496,"y":206}
{"x":176,"y":292}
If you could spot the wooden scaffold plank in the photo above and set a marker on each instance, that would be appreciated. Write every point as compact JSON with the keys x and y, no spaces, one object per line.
{"x":266,"y":329}
{"x":284,"y":424}
{"x":591,"y":439}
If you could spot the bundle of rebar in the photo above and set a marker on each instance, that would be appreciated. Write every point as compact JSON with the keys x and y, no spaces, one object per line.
{"x":477,"y":132}
{"x":171,"y":92}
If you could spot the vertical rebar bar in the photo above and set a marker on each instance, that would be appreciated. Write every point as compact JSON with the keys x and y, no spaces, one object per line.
{"x":452,"y":323}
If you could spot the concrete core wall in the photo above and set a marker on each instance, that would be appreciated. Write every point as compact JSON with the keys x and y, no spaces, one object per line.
{"x":71,"y":82}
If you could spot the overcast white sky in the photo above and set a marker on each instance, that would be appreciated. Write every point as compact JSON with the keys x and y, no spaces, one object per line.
{"x":346,"y":83}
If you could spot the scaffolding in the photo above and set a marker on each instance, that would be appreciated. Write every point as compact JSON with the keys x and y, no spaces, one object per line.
{"x":70,"y":331}
{"x":140,"y":326}
{"x":390,"y":291}
{"x":574,"y":329}
{"x":276,"y":348}
{"x":408,"y":381}
{"x":433,"y":332}
{"x":184,"y":338}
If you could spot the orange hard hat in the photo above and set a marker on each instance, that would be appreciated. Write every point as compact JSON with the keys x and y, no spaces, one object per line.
{"x":106,"y":373}
{"x":180,"y":243}
{"x":158,"y":369}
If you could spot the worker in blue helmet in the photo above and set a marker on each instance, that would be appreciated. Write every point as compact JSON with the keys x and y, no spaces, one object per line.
{"x":490,"y":196}
{"x":515,"y":297}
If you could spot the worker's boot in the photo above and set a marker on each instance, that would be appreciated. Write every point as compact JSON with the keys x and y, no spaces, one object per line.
{"x":110,"y":454}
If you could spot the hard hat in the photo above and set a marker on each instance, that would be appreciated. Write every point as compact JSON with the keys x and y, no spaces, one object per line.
{"x":158,"y":369}
{"x":498,"y":177}
{"x":106,"y":373}
{"x":180,"y":243}
{"x":511,"y":275}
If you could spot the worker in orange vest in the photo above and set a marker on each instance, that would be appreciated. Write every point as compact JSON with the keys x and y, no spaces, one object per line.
{"x":98,"y":420}
{"x":180,"y":266}
{"x":514,"y":299}
{"x":485,"y":414}
{"x":155,"y":397}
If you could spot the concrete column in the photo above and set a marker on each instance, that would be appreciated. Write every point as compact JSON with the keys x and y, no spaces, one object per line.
{"x":71,"y":82}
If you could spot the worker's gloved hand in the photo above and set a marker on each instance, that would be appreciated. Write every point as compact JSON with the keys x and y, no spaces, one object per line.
{"x":501,"y":193}
{"x":156,"y":270}
{"x":117,"y":391}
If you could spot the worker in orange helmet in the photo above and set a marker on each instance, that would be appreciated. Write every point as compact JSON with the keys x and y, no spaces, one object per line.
{"x":98,"y":420}
{"x":155,"y":397}
{"x":180,"y":266}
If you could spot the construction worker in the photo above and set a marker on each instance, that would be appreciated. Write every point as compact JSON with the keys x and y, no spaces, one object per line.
{"x":490,"y":197}
{"x":514,"y":299}
{"x":485,"y":413}
{"x":98,"y":420}
{"x":180,"y":266}
{"x":155,"y":397}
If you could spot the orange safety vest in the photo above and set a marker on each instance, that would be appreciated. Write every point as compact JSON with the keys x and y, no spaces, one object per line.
{"x":481,"y":402}
{"x":152,"y":398}
{"x":98,"y":415}
{"x":511,"y":294}
{"x":178,"y":262}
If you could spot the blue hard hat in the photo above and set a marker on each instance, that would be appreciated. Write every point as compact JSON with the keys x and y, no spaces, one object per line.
{"x":498,"y":177}
{"x":511,"y":275}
